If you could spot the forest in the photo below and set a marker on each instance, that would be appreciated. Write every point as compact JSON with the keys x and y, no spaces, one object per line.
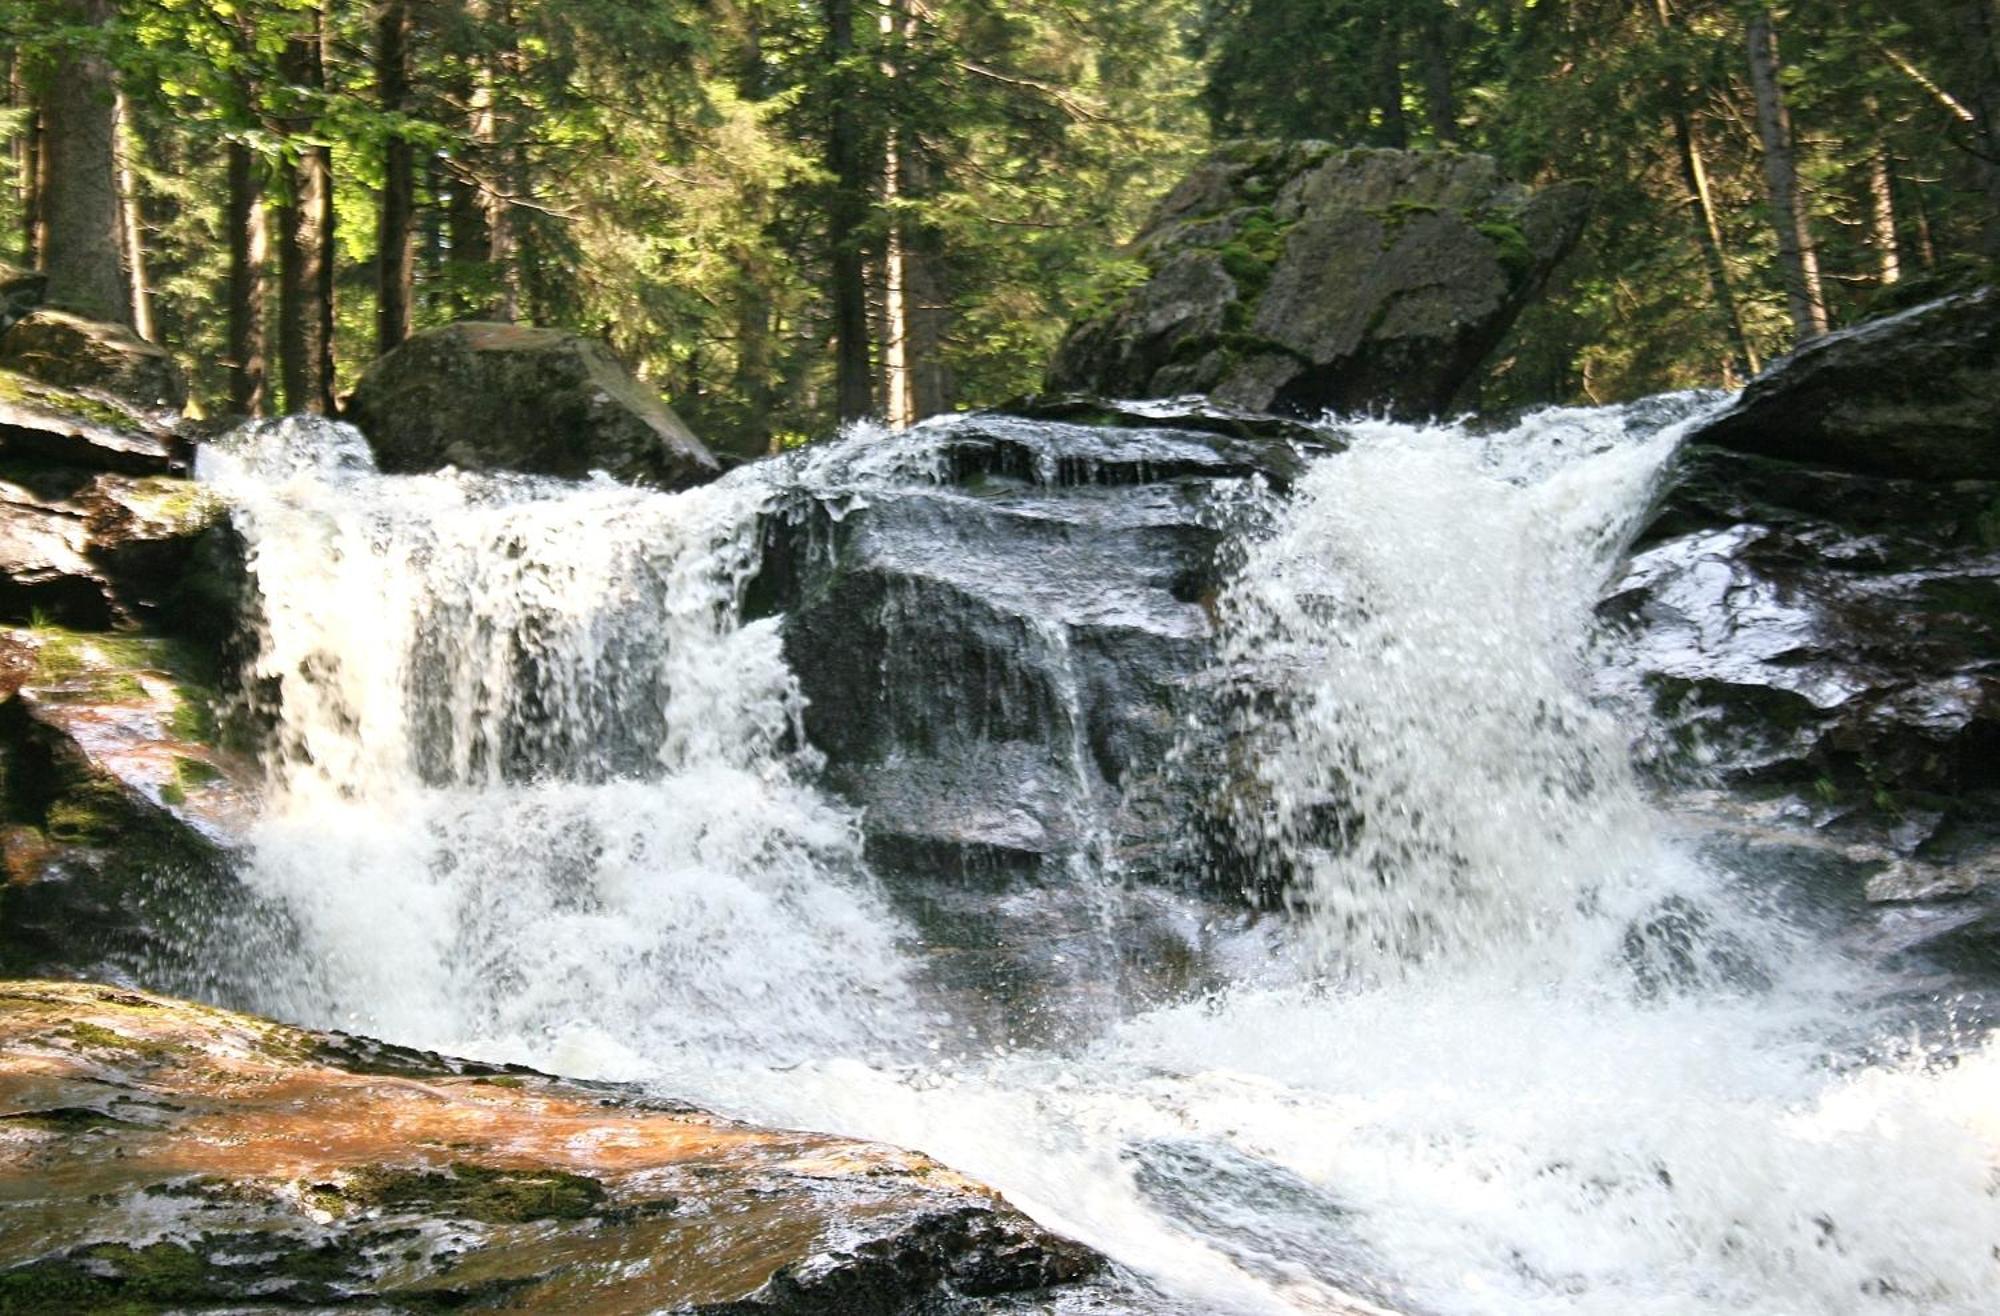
{"x":789,"y":215}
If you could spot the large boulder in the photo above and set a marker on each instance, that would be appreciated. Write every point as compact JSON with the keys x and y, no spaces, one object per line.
{"x":1813,"y":606}
{"x":1297,"y":277}
{"x":165,"y":1156}
{"x":70,"y":351}
{"x":1915,"y":395}
{"x":505,"y":397}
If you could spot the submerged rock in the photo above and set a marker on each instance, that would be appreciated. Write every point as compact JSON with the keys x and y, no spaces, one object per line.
{"x":1910,"y":396}
{"x":1299,"y":278}
{"x":157,"y":1155}
{"x":70,"y":351}
{"x":505,"y":397}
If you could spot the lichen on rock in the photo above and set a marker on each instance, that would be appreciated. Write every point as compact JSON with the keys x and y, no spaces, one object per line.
{"x":1296,"y":277}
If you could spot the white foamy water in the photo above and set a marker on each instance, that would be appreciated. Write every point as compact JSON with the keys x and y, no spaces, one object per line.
{"x":533,"y":780}
{"x":540,"y":796}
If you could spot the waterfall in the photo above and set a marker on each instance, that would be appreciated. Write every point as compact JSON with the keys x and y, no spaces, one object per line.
{"x":1437,"y":782}
{"x":540,"y":792}
{"x":533,"y":785}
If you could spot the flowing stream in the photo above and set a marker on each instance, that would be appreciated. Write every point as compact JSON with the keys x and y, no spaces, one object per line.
{"x":541,"y":794}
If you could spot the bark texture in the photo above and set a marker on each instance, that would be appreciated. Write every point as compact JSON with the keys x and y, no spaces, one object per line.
{"x":84,"y":233}
{"x":1798,"y":260}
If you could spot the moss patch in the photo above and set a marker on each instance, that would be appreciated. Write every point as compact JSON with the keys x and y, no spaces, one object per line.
{"x":477,"y":1192}
{"x":1510,"y":247}
{"x":1250,"y":256}
{"x":96,"y":1037}
{"x":91,"y":812}
{"x":18,"y":388}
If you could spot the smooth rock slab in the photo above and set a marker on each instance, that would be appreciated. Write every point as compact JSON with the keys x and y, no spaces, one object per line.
{"x":1912,"y":396}
{"x":157,"y":1155}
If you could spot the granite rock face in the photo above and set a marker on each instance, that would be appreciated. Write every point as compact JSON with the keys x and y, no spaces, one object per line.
{"x":505,"y":397}
{"x":1299,"y":278}
{"x":1816,"y":604}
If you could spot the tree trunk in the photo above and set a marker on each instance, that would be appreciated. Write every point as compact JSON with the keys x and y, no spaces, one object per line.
{"x":898,"y":407}
{"x":1797,"y":259}
{"x":1742,"y":361}
{"x":133,"y":225}
{"x":27,"y":152}
{"x":1981,"y":36}
{"x":753,"y":351}
{"x":1389,"y":82}
{"x":847,"y":214}
{"x":84,"y":233}
{"x":1694,"y":172}
{"x":495,"y":161}
{"x":1434,"y":54}
{"x":247,"y":241}
{"x":1882,"y":217}
{"x":305,"y":293}
{"x":926,"y":308}
{"x":396,"y":234}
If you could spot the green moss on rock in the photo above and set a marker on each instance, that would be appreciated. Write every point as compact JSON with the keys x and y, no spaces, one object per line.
{"x":477,"y":1192}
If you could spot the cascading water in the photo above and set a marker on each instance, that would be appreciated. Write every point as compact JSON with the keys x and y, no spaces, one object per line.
{"x":531,"y":780}
{"x":540,"y":794}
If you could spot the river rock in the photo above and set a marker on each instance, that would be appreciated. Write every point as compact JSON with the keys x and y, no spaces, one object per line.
{"x":97,"y":526}
{"x":1825,"y":635}
{"x":1300,"y":278}
{"x":1910,"y":396}
{"x":990,"y":656}
{"x":70,"y":351}
{"x":160,"y":1155}
{"x":505,"y":397}
{"x":118,"y":806}
{"x":999,"y":643}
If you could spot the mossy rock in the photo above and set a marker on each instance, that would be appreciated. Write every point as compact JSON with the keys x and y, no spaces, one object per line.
{"x":1371,"y":281}
{"x":70,"y":351}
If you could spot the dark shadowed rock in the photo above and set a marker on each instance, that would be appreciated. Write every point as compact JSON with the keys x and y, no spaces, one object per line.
{"x":993,"y":655}
{"x":70,"y":351}
{"x":1816,"y":607}
{"x":165,"y":1156}
{"x":1298,"y":278}
{"x":84,"y":429}
{"x":1913,"y":396}
{"x":20,"y":293}
{"x":1829,"y":635}
{"x":503,"y":397}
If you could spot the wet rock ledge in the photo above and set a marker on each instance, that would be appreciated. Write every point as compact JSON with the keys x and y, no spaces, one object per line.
{"x":161,"y":1156}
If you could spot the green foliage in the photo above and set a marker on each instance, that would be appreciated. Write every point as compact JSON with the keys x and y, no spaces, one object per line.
{"x":1585,"y":90}
{"x":660,"y":171}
